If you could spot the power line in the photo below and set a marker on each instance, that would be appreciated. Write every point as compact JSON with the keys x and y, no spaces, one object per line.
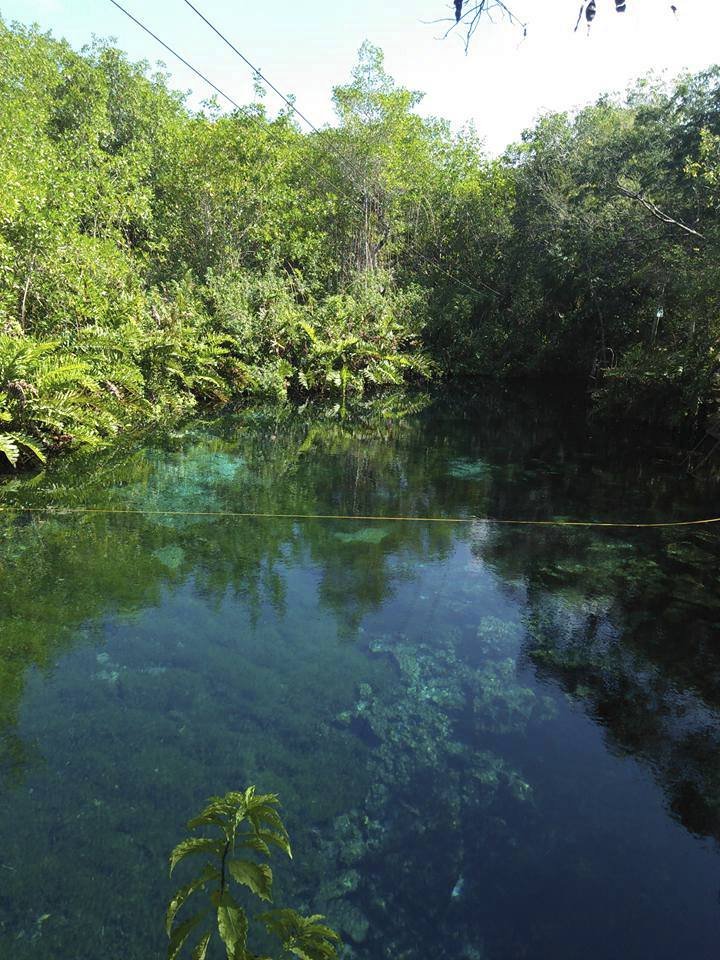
{"x":210,"y":83}
{"x":176,"y":55}
{"x":202,"y":76}
{"x":214,"y":86}
{"x":255,"y":70}
{"x":238,"y":106}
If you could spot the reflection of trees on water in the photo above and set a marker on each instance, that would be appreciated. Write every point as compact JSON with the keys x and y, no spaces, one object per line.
{"x":627,"y":623}
{"x":605,"y":616}
{"x":56,"y":578}
{"x":59,"y":575}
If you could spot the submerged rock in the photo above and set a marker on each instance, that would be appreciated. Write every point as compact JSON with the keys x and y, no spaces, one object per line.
{"x":458,"y":889}
{"x":109,"y":676}
{"x":340,"y":886}
{"x":349,"y":920}
{"x":373,"y":534}
{"x":463,"y":468}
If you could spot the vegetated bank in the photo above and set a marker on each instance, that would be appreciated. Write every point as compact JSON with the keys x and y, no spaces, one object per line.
{"x":153,"y":257}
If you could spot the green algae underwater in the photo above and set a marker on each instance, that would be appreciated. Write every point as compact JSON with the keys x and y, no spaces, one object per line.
{"x":489,"y":742}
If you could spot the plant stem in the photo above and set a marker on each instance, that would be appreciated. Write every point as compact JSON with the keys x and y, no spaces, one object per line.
{"x":222,"y":867}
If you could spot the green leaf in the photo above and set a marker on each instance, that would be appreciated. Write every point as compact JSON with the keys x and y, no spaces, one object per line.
{"x":260,"y":811}
{"x":9,"y":448}
{"x":271,"y":817}
{"x":180,"y":935}
{"x":194,"y":845}
{"x":208,"y":874}
{"x":305,"y":937}
{"x":27,"y":443}
{"x":200,"y":951}
{"x":277,"y":839}
{"x":254,"y":842}
{"x":217,"y":809}
{"x":256,"y":876}
{"x":232,"y":926}
{"x":309,"y":330}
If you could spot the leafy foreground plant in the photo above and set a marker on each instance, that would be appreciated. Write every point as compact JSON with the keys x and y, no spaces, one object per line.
{"x":246,"y":822}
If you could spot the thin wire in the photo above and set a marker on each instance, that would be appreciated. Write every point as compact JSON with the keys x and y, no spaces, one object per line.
{"x":252,"y":515}
{"x":252,"y":66}
{"x":210,"y":83}
{"x":451,"y":276}
{"x":176,"y":54}
{"x":234,"y":102}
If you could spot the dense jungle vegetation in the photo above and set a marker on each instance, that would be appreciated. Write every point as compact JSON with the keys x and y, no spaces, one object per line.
{"x":153,"y":258}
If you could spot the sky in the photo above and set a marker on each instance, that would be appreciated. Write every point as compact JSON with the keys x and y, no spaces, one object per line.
{"x":305,"y":48}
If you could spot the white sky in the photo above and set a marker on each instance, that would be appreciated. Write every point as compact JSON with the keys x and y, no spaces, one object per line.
{"x":502,"y":84}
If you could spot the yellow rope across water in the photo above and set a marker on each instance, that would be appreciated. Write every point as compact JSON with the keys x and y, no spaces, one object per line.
{"x":253,"y":515}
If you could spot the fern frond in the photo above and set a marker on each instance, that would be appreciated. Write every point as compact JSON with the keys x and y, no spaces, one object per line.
{"x":9,"y":448}
{"x":52,"y":374}
{"x":13,"y":445}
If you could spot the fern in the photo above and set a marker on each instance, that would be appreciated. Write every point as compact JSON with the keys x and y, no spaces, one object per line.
{"x":56,"y":373}
{"x":9,"y":448}
{"x":20,"y":356}
{"x":246,"y":826}
{"x":14,"y":445}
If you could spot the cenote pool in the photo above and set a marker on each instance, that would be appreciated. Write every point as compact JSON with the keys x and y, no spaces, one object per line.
{"x":490,"y":742}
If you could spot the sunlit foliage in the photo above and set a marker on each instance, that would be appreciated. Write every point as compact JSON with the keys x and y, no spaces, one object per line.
{"x":153,"y":258}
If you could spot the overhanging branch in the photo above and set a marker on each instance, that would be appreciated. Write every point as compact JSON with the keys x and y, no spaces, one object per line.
{"x":471,"y":13}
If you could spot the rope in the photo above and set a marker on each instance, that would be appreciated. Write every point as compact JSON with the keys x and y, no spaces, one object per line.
{"x":252,"y":515}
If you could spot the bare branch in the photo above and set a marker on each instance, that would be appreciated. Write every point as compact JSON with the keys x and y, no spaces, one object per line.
{"x":471,"y":13}
{"x":658,"y":213}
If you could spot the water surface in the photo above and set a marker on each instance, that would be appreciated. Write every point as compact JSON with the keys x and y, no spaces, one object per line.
{"x":489,"y":741}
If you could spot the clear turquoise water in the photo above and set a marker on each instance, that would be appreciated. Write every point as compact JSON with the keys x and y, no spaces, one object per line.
{"x":490,"y":742}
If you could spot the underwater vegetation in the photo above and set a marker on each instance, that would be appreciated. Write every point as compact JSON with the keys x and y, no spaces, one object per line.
{"x":364,"y":535}
{"x":464,"y":722}
{"x":464,"y":469}
{"x":434,"y":772}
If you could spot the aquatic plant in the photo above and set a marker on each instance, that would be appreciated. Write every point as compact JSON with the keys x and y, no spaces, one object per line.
{"x":364,"y":535}
{"x":463,"y":468}
{"x":246,"y":822}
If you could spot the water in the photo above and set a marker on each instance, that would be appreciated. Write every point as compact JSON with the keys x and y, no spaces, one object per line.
{"x":489,"y":742}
